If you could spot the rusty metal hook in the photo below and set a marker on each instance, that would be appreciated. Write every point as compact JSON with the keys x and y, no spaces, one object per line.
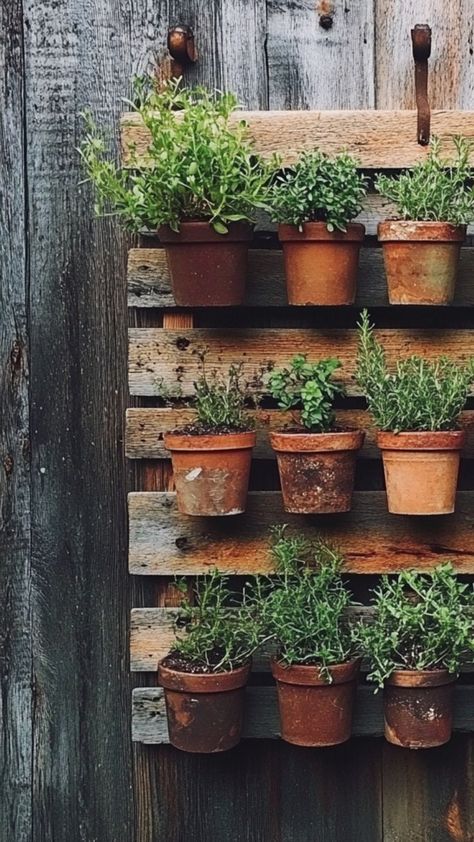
{"x":421,"y":40}
{"x":181,"y":44}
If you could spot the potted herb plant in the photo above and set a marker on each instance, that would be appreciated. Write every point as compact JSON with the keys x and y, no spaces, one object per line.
{"x":421,"y":632}
{"x":304,"y":610}
{"x":314,"y":202}
{"x":205,"y":674}
{"x":199,"y":188}
{"x":435,"y":202}
{"x":416,"y":410}
{"x":211,"y":457}
{"x":316,"y":459}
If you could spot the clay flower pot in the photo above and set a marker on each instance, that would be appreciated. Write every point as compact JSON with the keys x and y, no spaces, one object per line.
{"x":207,"y":269}
{"x":312,"y":711}
{"x":421,"y":260}
{"x":205,"y":711}
{"x":320,"y":265}
{"x":418,"y":708}
{"x":421,"y":471}
{"x":211,"y":472}
{"x":317,"y":470}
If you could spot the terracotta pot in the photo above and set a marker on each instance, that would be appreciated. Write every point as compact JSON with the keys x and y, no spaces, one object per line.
{"x":313,"y":712}
{"x":207,"y":269}
{"x":317,"y":470}
{"x":211,"y":472}
{"x":321,"y":266}
{"x":421,"y":260}
{"x":205,"y":711}
{"x":418,"y":708}
{"x":421,"y":471}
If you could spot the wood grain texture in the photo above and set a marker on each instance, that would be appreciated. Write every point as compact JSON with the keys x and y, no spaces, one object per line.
{"x":164,"y":542}
{"x":16,"y":686}
{"x":150,"y":726}
{"x":378,"y":139}
{"x":149,"y":282}
{"x":451,"y":64}
{"x":170,"y":357}
{"x":313,"y":67}
{"x":77,"y":57}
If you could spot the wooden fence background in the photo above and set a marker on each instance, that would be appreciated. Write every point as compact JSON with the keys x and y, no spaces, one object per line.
{"x":66,"y":770}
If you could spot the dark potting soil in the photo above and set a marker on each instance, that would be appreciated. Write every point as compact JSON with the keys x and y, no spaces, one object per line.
{"x":178,"y":662}
{"x":307,"y":431}
{"x":207,"y":430}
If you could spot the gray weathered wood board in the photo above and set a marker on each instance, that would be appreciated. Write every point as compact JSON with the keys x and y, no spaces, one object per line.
{"x":261,"y":721}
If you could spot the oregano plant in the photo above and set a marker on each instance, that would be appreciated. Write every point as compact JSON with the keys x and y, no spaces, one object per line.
{"x":308,"y":388}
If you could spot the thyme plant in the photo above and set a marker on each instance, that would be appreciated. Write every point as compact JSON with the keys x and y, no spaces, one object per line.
{"x":220,"y":400}
{"x":309,"y":388}
{"x":303,"y":608}
{"x":319,"y":189}
{"x":418,"y":394}
{"x":220,"y":633}
{"x":198,"y":166}
{"x":423,"y":621}
{"x":435,"y":190}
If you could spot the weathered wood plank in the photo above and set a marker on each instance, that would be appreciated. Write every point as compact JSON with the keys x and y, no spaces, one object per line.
{"x":145,"y":429}
{"x":150,"y":726}
{"x":163,"y":542}
{"x":171,"y":357}
{"x":78,"y":56}
{"x":298,"y":47}
{"x":379,"y":139}
{"x":451,"y":64}
{"x":149,"y":282}
{"x":16,"y":687}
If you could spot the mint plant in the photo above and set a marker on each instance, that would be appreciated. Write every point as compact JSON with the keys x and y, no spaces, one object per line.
{"x":309,"y":388}
{"x":435,"y":190}
{"x":423,"y":621}
{"x":198,"y":166}
{"x":215,"y":631}
{"x":418,"y":395}
{"x":319,"y":189}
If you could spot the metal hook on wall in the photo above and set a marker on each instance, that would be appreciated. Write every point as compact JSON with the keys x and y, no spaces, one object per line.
{"x":421,"y":40}
{"x":181,"y":47}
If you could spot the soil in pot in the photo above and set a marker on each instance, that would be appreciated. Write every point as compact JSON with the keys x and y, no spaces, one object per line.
{"x":314,"y":712}
{"x":211,"y":471}
{"x":204,"y":710}
{"x":418,"y":708}
{"x":321,"y":265}
{"x":421,"y":471}
{"x":207,"y":269}
{"x":317,"y":470}
{"x":421,"y":260}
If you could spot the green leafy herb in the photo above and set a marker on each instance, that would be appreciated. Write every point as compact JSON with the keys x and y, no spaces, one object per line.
{"x":198,"y":166}
{"x":220,"y":632}
{"x":304,"y":607}
{"x":308,"y":387}
{"x":319,"y":189}
{"x":422,"y":622}
{"x":435,"y":190}
{"x":418,"y":395}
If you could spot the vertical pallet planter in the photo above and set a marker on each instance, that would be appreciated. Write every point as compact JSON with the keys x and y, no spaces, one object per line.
{"x":163,"y":346}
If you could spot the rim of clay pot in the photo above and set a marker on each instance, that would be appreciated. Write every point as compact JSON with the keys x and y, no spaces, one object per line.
{"x":401,"y":229}
{"x":316,"y":442}
{"x":437,"y":440}
{"x":225,"y":441}
{"x":310,"y":675}
{"x":202,"y":232}
{"x":420,"y":678}
{"x":218,"y":682}
{"x":318,"y":231}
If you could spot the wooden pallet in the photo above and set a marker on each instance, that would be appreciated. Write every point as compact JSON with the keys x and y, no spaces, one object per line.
{"x":163,"y":351}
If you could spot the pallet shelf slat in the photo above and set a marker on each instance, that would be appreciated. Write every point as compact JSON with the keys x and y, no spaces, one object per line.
{"x":149,"y":716}
{"x":171,"y":356}
{"x":163,"y":542}
{"x":379,"y":139}
{"x":149,"y":281}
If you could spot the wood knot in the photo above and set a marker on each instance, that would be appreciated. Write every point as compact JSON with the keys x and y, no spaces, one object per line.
{"x":182,"y":343}
{"x":15,"y":354}
{"x":8,"y":464}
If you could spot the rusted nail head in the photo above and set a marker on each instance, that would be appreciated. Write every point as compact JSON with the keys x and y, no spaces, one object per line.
{"x":326,"y":21}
